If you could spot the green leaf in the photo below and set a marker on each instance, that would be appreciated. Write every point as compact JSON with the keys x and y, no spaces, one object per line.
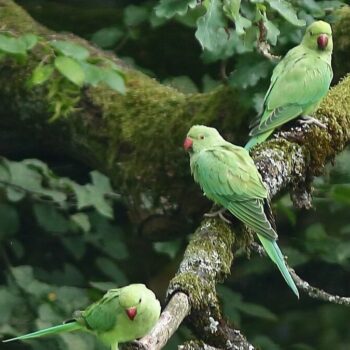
{"x":81,"y":220}
{"x":70,"y":49}
{"x":211,"y":27}
{"x":135,"y":15}
{"x":93,"y":195}
{"x":286,"y":10}
{"x":249,"y":70}
{"x":264,"y":342}
{"x":14,"y":194}
{"x":25,"y":176}
{"x":71,"y":298}
{"x":182,"y":83}
{"x":341,"y":193}
{"x":107,"y":37}
{"x":170,"y":8}
{"x":316,"y":232}
{"x":25,"y":279}
{"x":29,"y":40}
{"x":9,"y":220}
{"x":93,"y":74}
{"x":50,"y":219}
{"x":111,"y":270}
{"x":257,"y":311}
{"x":272,"y":31}
{"x":170,"y":248}
{"x":41,"y":74}
{"x":12,"y":45}
{"x":231,"y":9}
{"x":114,"y":80}
{"x":8,"y":303}
{"x":70,"y":69}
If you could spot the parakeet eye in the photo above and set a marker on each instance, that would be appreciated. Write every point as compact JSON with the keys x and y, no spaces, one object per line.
{"x":201,"y":137}
{"x":140,"y":300}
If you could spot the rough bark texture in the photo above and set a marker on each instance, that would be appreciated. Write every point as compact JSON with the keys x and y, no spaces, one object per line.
{"x":136,"y":140}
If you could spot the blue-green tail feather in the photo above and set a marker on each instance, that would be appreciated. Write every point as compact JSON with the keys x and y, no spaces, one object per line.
{"x":67,"y":327}
{"x":276,"y":256}
{"x":257,"y":139}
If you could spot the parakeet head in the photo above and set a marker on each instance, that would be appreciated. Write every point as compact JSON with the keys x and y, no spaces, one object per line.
{"x":132,"y":298}
{"x":200,"y":137}
{"x":318,"y":36}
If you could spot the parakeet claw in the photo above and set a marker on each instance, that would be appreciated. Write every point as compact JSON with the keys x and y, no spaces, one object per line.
{"x":219,"y":213}
{"x":306,"y":119}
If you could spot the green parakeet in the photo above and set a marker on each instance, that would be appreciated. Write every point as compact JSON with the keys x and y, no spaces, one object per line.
{"x":228,"y":176}
{"x":298,"y":83}
{"x":121,"y":315}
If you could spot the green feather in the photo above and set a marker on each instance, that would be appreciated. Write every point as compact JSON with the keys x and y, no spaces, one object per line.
{"x":257,"y":139}
{"x":276,"y":256}
{"x":67,"y":327}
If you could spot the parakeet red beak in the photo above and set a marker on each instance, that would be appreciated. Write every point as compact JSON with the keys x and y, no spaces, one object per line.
{"x":322,"y":41}
{"x":188,"y":144}
{"x":131,"y":312}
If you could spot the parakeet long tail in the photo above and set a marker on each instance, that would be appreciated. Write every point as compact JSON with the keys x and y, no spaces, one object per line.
{"x":67,"y":327}
{"x":257,"y":139}
{"x":276,"y":256}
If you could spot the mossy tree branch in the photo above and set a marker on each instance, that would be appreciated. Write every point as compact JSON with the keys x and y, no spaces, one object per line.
{"x":136,"y":139}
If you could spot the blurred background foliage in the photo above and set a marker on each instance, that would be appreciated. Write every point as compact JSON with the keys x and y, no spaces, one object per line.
{"x":65,"y":236}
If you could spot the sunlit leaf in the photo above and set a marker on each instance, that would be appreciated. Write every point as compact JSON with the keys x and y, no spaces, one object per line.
{"x":71,"y":49}
{"x":93,"y":74}
{"x":12,"y":45}
{"x":29,"y":40}
{"x":114,"y":80}
{"x":70,"y":69}
{"x":41,"y":74}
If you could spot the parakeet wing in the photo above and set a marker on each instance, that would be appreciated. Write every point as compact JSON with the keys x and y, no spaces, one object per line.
{"x":230,"y":172}
{"x":295,"y":85}
{"x":251,"y":212}
{"x":102,"y":315}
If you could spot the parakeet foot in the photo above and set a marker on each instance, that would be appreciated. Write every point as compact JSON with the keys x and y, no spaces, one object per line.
{"x":306,"y":119}
{"x":219,"y":213}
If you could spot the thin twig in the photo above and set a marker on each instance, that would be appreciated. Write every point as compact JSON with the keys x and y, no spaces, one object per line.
{"x":317,"y":293}
{"x":262,"y":45}
{"x":305,"y":286}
